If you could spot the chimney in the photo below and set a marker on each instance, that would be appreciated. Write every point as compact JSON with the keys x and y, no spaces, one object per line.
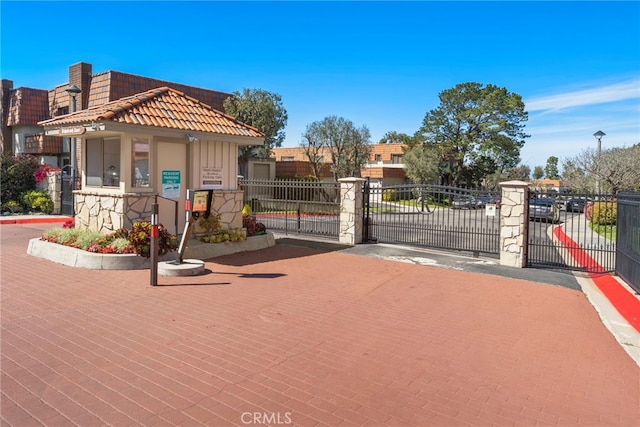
{"x":80,"y":75}
{"x":6,"y":140}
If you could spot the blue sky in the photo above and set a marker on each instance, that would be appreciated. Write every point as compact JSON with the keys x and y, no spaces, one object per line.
{"x":379,"y":64}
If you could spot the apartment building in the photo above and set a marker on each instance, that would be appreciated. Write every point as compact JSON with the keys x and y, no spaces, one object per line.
{"x":23,"y":107}
{"x":384,"y":167}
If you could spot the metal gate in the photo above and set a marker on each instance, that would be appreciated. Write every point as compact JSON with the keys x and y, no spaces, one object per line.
{"x":295,"y":206}
{"x":433,"y":216}
{"x":561,"y":232}
{"x":68,"y":184}
{"x":628,"y":239}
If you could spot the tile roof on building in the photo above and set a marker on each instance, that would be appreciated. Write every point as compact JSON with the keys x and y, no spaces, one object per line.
{"x":100,"y":88}
{"x":27,"y":106}
{"x":164,"y":108}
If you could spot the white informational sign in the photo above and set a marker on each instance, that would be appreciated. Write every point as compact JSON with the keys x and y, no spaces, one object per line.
{"x":490,"y":210}
{"x":211,"y":178}
{"x":171,"y":184}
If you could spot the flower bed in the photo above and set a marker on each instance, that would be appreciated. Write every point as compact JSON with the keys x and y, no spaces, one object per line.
{"x":135,"y":241}
{"x":195,"y":249}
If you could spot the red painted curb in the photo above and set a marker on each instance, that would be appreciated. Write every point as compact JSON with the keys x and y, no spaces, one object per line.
{"x":35,"y":220}
{"x":626,"y":304}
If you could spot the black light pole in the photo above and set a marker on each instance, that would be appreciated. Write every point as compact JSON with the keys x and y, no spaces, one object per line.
{"x":73,"y":91}
{"x":598,"y":136}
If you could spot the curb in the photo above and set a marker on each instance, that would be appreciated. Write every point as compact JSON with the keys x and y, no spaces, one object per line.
{"x":35,"y":219}
{"x":622,"y":300}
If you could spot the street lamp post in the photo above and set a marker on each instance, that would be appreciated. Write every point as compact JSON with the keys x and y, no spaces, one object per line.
{"x":598,"y":135}
{"x":73,"y":91}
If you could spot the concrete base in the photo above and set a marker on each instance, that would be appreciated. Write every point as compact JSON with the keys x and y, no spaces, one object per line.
{"x":189,"y":267}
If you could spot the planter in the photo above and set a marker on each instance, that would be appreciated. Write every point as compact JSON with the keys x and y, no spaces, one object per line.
{"x":195,"y":249}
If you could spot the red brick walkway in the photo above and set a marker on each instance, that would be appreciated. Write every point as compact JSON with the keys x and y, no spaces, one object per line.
{"x":291,"y":335}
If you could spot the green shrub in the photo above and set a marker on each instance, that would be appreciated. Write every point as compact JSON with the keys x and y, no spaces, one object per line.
{"x":87,"y":238}
{"x":604,"y":213}
{"x":13,"y":206}
{"x":122,"y":245}
{"x":38,"y":200}
{"x":211,"y":224}
{"x":51,"y":235}
{"x":121,"y":233}
{"x":389,"y":195}
{"x":140,"y":239}
{"x":17,"y":175}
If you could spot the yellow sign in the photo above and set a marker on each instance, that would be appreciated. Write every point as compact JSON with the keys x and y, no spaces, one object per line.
{"x":199,"y":201}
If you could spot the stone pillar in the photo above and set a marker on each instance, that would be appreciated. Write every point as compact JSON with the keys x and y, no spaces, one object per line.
{"x":513,"y":226}
{"x":351,"y":210}
{"x":52,"y":185}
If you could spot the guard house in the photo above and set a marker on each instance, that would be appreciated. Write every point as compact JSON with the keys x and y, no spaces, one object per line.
{"x":153,"y":146}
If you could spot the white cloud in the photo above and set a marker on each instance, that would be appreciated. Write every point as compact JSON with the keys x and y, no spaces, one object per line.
{"x":599,"y":95}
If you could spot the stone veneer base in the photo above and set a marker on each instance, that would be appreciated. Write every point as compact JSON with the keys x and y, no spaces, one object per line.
{"x":195,"y":249}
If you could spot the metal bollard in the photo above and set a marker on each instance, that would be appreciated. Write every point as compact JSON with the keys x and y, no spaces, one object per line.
{"x":154,"y":243}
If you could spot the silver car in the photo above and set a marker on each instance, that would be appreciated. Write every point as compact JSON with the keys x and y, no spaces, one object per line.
{"x":544,"y":210}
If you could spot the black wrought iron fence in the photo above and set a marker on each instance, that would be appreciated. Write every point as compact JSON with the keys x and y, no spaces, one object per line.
{"x":434,"y":216}
{"x":628,"y":239}
{"x":571,"y":231}
{"x":295,"y":206}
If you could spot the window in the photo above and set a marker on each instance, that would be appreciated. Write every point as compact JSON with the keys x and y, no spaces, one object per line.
{"x":61,"y":111}
{"x":287,"y":158}
{"x":103,"y":162}
{"x":378,"y":157}
{"x":396,"y":159}
{"x":140,"y":162}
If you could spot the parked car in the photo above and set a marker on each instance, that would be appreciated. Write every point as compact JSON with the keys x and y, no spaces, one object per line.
{"x":577,"y":204}
{"x":466,"y":202}
{"x":490,"y":200}
{"x":544,"y":210}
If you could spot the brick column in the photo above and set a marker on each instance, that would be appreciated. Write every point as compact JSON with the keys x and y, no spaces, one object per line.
{"x":513,"y":227}
{"x":351,"y":210}
{"x":80,"y":75}
{"x":6,"y":139}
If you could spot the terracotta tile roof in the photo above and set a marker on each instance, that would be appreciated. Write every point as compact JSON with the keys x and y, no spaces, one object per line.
{"x":164,"y":108}
{"x":27,"y":106}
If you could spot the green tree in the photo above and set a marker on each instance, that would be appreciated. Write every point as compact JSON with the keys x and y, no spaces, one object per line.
{"x":538,"y":172}
{"x":520,"y":172}
{"x":393,"y":137}
{"x":348,"y":145}
{"x":471,"y":121}
{"x":421,"y":163}
{"x":551,"y":169}
{"x":314,"y":146}
{"x":264,"y":111}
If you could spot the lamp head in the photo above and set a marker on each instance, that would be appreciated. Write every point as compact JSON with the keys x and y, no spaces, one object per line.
{"x":73,"y":90}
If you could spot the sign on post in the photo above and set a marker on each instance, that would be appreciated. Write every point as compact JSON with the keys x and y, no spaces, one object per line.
{"x":171,"y":184}
{"x":198,"y":202}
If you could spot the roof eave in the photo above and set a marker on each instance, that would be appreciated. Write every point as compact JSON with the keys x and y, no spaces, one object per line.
{"x":94,"y":127}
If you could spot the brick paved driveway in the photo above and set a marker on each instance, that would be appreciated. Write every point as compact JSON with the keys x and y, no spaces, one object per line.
{"x":292,"y":335}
